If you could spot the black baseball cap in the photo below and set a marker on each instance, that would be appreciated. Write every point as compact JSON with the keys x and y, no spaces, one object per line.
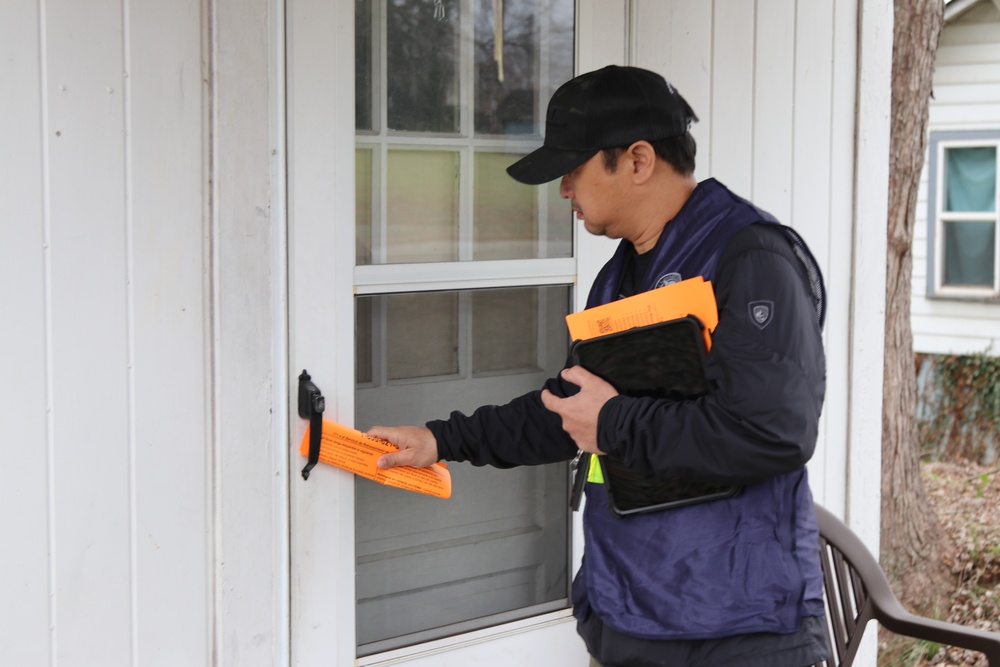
{"x":607,"y":108}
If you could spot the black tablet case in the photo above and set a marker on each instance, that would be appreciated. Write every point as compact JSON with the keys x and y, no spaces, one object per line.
{"x":662,"y":360}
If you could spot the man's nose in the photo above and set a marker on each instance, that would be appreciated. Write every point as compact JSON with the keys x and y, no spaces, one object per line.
{"x":566,"y":187}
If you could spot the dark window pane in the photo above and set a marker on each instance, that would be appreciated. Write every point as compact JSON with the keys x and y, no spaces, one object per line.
{"x":363,"y":80}
{"x":422,"y":335}
{"x":494,"y":313}
{"x":510,"y":69}
{"x":969,"y":253}
{"x":422,"y":47}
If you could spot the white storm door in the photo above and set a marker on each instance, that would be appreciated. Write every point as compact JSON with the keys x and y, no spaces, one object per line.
{"x":407,"y":245}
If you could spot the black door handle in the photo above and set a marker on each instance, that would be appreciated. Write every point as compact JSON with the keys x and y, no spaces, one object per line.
{"x":311,"y":407}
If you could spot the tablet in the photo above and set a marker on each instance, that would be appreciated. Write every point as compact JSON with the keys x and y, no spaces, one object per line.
{"x":662,"y":360}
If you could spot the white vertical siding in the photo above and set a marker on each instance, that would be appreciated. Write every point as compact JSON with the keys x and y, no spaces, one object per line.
{"x":88,"y":335}
{"x":24,"y":434}
{"x":772,"y":172}
{"x":775,"y":85}
{"x":170,"y":459}
{"x":730,"y":118}
{"x":106,"y":418}
{"x":966,"y":97}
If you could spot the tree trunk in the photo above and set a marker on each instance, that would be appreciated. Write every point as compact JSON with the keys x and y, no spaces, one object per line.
{"x":911,"y":535}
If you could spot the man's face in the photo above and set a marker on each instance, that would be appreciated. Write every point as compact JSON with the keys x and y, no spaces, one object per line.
{"x":597,"y":197}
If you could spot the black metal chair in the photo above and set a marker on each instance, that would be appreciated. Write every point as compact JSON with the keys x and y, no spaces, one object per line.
{"x":858,"y":591}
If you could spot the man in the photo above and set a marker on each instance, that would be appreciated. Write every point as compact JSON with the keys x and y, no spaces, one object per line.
{"x":735,"y":581}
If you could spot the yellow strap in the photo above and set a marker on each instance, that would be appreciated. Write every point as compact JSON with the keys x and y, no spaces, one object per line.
{"x":595,"y":474}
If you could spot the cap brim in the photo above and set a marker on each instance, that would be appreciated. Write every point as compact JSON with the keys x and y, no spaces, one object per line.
{"x":547,"y":164}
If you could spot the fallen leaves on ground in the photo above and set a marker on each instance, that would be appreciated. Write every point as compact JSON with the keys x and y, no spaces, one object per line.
{"x":966,"y":497}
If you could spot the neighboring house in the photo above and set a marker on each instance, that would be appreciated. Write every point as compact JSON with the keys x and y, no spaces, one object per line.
{"x":202,"y":198}
{"x":956,"y":246}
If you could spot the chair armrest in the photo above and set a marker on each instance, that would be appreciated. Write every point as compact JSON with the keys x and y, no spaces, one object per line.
{"x":877,"y":599}
{"x":895,"y":618}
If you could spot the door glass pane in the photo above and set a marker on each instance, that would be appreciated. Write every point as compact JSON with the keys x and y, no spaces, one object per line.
{"x":970,"y":253}
{"x":422,"y":52}
{"x":422,"y":223}
{"x":494,"y":349}
{"x":971,"y":179}
{"x":512,"y":64}
{"x":499,"y":548}
{"x":505,"y":214}
{"x":421,"y":335}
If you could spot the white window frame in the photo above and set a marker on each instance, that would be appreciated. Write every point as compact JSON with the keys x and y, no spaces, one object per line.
{"x":937,"y":217}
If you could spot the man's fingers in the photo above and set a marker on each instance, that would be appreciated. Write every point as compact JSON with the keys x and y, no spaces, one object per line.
{"x":417,"y":446}
{"x":383,"y":432}
{"x":415,"y":457}
{"x":404,"y":457}
{"x":388,"y":461}
{"x":578,"y":375}
{"x":550,"y":400}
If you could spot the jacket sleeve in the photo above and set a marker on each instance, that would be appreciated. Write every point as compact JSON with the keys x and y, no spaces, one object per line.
{"x":522,"y":432}
{"x":767,"y":373}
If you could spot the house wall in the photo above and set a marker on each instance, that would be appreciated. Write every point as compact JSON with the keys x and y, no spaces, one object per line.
{"x":143,"y":439}
{"x":966,"y":97}
{"x":144,"y":373}
{"x":774,"y":83}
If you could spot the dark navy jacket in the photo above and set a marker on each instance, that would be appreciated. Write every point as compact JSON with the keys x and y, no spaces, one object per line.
{"x":741,"y":565}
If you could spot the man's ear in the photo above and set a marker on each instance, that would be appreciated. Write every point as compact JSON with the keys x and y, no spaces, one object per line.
{"x":642,"y":159}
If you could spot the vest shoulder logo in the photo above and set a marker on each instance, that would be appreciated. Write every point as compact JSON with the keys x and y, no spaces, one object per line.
{"x":761,"y":313}
{"x":667,"y":279}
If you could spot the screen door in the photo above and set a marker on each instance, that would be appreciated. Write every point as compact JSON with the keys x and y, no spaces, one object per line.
{"x":461,"y":294}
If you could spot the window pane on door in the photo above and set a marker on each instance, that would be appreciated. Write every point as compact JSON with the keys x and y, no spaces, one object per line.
{"x":494,"y":349}
{"x":422,"y":224}
{"x":422,"y":53}
{"x":505,"y":215}
{"x":513,"y":64}
{"x":421,"y":335}
{"x":499,"y":548}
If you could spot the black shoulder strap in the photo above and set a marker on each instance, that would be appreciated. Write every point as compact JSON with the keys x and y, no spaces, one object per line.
{"x":816,"y":285}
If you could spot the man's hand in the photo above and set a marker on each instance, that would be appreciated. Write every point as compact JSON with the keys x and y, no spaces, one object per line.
{"x":417,"y":446}
{"x":579,"y":412}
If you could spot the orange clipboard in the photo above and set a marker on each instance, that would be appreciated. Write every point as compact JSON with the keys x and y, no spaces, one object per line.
{"x":694,"y":296}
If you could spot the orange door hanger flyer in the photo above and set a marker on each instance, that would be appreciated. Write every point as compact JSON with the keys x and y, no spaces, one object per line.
{"x":357,"y":452}
{"x":693,"y":296}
